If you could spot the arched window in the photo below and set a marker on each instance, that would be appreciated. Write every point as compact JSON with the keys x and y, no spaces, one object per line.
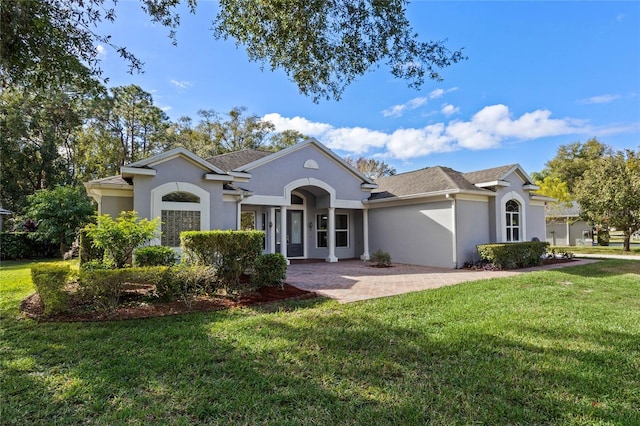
{"x":181,"y":206}
{"x":512,"y":210}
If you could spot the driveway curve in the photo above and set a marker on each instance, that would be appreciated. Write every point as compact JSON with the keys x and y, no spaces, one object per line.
{"x":353,"y":280}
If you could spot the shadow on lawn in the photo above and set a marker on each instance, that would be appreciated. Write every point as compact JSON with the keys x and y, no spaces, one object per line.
{"x":321,"y":366}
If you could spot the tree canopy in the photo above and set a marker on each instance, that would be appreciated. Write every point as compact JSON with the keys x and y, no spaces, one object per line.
{"x":609,"y":192}
{"x":371,"y":167}
{"x":322,"y":45}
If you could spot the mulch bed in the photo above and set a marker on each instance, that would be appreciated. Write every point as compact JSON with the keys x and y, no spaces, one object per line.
{"x":132,"y":308}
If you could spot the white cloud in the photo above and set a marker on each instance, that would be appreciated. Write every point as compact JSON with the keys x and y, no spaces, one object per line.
{"x":398,"y":110}
{"x":486,"y":129}
{"x":101,"y":52}
{"x":166,"y":108}
{"x":448,"y":110}
{"x":438,"y":93}
{"x":181,"y":84}
{"x":602,"y":99}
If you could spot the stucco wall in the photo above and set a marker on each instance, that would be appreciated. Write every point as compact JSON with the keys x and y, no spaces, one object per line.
{"x":180,"y":170}
{"x":556,"y":232}
{"x":419,"y":234}
{"x":536,"y":224}
{"x":472,"y":228}
{"x":114,"y":205}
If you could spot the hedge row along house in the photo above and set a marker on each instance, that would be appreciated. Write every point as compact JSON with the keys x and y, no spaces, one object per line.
{"x":311,"y":204}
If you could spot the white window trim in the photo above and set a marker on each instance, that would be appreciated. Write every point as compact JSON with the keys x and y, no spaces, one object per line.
{"x":348,"y":230}
{"x":513,"y":195}
{"x":157,"y":205}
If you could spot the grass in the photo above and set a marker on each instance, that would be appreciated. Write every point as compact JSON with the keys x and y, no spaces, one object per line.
{"x":635,"y":249}
{"x":549,"y":347}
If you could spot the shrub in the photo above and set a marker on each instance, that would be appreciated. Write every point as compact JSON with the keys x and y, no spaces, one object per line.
{"x":513,"y":255}
{"x":229,"y":252}
{"x":20,"y":245}
{"x":381,"y":258}
{"x":603,"y":237}
{"x":103,"y":287}
{"x":186,"y":282}
{"x":269,"y":270}
{"x":88,"y":251}
{"x":154,"y":256}
{"x":120,"y":237}
{"x":49,"y":281}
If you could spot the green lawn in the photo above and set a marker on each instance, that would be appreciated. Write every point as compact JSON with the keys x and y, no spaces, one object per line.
{"x":550,"y":347}
{"x":635,"y":249}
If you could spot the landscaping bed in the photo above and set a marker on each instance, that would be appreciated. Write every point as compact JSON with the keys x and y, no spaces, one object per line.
{"x":138,"y":303}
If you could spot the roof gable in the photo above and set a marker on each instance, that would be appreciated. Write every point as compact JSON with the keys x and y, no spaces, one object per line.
{"x":149,"y":162}
{"x":497,"y":174}
{"x":301,"y":145}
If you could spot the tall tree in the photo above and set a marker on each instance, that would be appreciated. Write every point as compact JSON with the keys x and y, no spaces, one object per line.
{"x":609,"y":192}
{"x":37,"y":133}
{"x":371,"y":168}
{"x":323,"y":46}
{"x":572,"y":160}
{"x":240,"y":131}
{"x":125,"y":127}
{"x":284,"y":139}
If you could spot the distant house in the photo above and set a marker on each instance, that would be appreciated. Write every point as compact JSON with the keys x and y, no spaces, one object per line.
{"x":311,"y":204}
{"x":564,"y":226}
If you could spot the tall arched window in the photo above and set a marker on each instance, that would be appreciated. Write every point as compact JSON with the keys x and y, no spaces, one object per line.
{"x":512,"y":209}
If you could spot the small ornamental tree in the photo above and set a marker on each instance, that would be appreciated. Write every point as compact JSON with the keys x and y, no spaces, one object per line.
{"x":60,"y":213}
{"x":120,"y":237}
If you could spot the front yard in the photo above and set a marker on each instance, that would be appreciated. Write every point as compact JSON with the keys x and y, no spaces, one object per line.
{"x":559,"y":347}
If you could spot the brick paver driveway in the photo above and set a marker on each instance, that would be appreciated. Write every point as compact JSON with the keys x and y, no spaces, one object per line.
{"x":353,"y":280}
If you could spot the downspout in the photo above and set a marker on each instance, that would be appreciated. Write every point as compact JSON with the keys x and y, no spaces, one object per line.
{"x":454,"y":222}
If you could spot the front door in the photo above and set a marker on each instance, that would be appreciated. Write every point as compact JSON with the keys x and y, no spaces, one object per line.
{"x":295,"y":233}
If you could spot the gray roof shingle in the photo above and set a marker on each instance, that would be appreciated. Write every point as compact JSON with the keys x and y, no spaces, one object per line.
{"x":236,"y":160}
{"x":488,"y":175}
{"x":423,"y":181}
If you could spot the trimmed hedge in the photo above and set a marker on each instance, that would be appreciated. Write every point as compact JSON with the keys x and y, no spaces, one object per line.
{"x":103,"y":287}
{"x":229,"y":252}
{"x":513,"y":255}
{"x":154,"y":256}
{"x":50,"y":281}
{"x":185,"y":282}
{"x":21,"y":245}
{"x":269,"y":270}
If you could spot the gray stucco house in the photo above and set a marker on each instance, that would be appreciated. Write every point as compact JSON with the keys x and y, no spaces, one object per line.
{"x":322,"y":208}
{"x":564,"y":226}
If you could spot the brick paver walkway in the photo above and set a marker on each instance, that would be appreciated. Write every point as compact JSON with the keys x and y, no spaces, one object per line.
{"x":353,"y":280}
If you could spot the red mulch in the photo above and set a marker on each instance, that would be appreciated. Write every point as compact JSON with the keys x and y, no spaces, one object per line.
{"x":134,"y":309}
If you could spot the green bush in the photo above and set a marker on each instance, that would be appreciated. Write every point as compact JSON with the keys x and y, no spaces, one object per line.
{"x":120,"y":237}
{"x":103,"y":287}
{"x":269,"y":270}
{"x":22,"y":245}
{"x":603,"y":237}
{"x":50,"y":281}
{"x":513,"y":255}
{"x":381,"y":258}
{"x":88,"y":251}
{"x":186,"y":282}
{"x":229,"y":252}
{"x":154,"y":256}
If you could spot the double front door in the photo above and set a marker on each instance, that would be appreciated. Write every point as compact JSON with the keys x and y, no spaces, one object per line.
{"x":294,"y":236}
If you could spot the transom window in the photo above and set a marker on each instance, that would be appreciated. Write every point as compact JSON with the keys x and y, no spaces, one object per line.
{"x":181,"y":197}
{"x":512,"y":209}
{"x":342,"y":230}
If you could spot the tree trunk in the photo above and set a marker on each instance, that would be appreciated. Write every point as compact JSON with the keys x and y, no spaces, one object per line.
{"x":626,"y":245}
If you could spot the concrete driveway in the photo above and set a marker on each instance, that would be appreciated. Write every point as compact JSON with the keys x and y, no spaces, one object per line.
{"x":352,"y":280}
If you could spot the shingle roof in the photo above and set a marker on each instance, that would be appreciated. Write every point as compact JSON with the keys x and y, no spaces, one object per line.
{"x":112,"y":180}
{"x":488,"y":175}
{"x":235,"y":160}
{"x":423,"y":181}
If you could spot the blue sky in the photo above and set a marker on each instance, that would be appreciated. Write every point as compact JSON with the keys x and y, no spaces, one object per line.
{"x":539,"y":75}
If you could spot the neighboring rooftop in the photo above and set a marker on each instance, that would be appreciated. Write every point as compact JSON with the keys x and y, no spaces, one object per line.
{"x":236,"y":160}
